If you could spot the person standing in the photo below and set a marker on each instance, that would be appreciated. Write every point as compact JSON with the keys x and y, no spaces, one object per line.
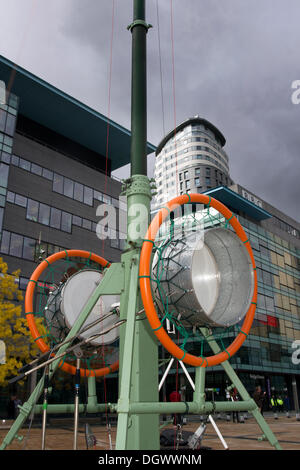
{"x":259,"y":398}
{"x":280,"y":404}
{"x":287,"y":408}
{"x":274,"y":405}
{"x":234,"y":397}
{"x":17,"y":403}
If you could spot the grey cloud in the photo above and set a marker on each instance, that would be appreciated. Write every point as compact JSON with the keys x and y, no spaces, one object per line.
{"x":235,"y":61}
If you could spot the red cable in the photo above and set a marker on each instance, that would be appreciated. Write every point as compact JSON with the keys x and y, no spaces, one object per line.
{"x":174,"y":95}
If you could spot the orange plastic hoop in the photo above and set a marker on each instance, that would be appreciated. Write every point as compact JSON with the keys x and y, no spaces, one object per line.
{"x":145,"y":282}
{"x":30,"y":316}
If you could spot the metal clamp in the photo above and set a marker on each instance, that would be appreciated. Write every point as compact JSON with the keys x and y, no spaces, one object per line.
{"x":139,"y":23}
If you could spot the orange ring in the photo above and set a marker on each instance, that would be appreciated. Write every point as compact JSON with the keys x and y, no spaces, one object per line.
{"x":145,"y":284}
{"x":30,"y":316}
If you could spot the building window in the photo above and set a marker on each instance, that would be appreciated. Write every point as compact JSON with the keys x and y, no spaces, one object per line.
{"x":197,"y":181}
{"x":23,"y":282}
{"x":207,"y":171}
{"x":188,"y":184}
{"x":1,"y":218}
{"x":5,"y":242}
{"x":55,"y":217}
{"x":78,"y":192}
{"x":2,"y":120}
{"x":4,"y":170}
{"x":180,"y":176}
{"x":186,"y":175}
{"x":47,"y":174}
{"x":66,"y":222}
{"x":20,"y":200}
{"x":106,"y":199}
{"x":24,"y":164}
{"x":207,"y":181}
{"x":88,"y":196}
{"x":77,"y":220}
{"x":197,"y":171}
{"x":68,"y":187}
{"x":61,"y":184}
{"x":10,"y":124}
{"x":28,"y":248}
{"x":5,"y":157}
{"x":15,"y":160}
{"x":86,"y":224}
{"x":16,"y":245}
{"x":32,"y":210}
{"x":98,"y":196}
{"x":58,"y":183}
{"x":10,"y":197}
{"x":36,"y":169}
{"x":44,"y":214}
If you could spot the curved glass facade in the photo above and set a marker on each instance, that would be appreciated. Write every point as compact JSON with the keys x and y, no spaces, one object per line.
{"x":192,"y":160}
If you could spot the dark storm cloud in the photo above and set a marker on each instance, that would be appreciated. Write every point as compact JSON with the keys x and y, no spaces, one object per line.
{"x":235,"y":61}
{"x":234,"y":64}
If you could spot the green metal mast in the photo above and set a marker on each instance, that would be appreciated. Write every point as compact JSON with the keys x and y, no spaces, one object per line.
{"x":138,"y":345}
{"x":139,"y":90}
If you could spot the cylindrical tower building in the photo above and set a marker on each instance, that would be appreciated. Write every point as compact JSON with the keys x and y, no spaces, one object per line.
{"x":190,"y":158}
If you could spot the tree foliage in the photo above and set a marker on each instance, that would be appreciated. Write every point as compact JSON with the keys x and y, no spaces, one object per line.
{"x":20,"y":347}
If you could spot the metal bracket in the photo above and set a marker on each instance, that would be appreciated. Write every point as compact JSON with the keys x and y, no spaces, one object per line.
{"x":139,"y":23}
{"x":78,"y":352}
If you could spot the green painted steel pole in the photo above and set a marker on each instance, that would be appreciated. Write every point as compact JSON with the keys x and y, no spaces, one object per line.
{"x":199,"y":392}
{"x":193,"y":407}
{"x":138,"y":190}
{"x":69,"y":408}
{"x":138,"y":346}
{"x":92,"y":394}
{"x":139,"y":91}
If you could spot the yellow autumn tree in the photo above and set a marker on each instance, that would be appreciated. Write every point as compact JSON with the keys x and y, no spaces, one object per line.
{"x":20,"y":347}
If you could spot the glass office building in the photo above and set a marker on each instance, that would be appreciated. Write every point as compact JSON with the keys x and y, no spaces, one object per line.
{"x":266,"y":357}
{"x":55,"y":171}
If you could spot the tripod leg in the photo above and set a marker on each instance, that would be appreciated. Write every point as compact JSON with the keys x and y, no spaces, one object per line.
{"x":76,"y":404}
{"x":44,"y":425}
{"x":242,"y":391}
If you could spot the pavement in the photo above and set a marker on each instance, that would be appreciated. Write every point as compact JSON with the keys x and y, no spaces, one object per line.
{"x":238,"y":436}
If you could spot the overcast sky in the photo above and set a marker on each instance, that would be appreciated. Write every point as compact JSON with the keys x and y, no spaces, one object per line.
{"x":235,"y":61}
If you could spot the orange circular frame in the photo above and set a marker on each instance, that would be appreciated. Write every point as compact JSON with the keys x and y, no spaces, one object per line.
{"x":145,"y":282}
{"x":30,"y":316}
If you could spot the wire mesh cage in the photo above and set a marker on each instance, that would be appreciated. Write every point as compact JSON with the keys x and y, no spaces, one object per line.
{"x":60,"y":293}
{"x":201,"y":277}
